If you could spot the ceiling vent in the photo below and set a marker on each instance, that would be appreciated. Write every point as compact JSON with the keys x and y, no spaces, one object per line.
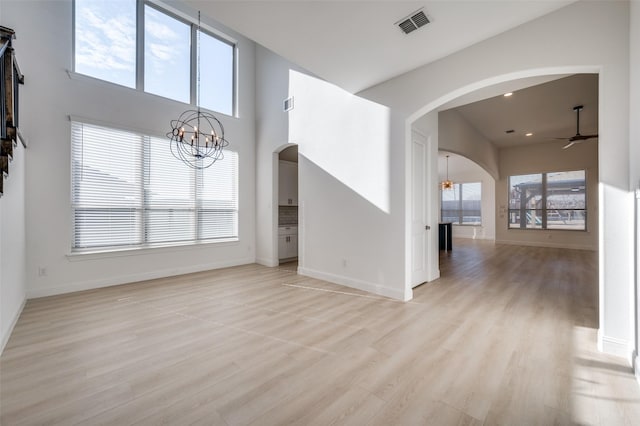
{"x":412,"y":22}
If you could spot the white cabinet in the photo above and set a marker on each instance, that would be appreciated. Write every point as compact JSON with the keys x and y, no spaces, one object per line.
{"x":287,"y":242}
{"x":288,"y":183}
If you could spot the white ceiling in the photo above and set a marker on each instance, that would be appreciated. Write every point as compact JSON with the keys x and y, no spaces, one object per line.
{"x":356,"y":44}
{"x":546,"y":110}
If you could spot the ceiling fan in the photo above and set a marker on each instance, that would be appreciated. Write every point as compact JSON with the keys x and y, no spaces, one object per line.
{"x":578,"y":138}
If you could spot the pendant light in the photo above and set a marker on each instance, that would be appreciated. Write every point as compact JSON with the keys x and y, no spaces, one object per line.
{"x":447,"y":184}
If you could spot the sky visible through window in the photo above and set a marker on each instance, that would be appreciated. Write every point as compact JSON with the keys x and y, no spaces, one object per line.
{"x":105,"y":40}
{"x":105,"y":48}
{"x":167,"y":56}
{"x":216,"y":70}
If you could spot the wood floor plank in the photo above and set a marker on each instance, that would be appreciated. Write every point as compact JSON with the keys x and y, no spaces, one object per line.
{"x":507,"y":335}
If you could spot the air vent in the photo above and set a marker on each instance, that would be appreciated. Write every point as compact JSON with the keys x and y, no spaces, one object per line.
{"x":412,"y":22}
{"x":288,"y":104}
{"x":509,"y":131}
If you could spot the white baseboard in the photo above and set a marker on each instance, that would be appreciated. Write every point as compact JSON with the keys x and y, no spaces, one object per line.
{"x":358,"y":284}
{"x":636,"y":367}
{"x":14,"y":321}
{"x":125,"y":279}
{"x":549,"y":244}
{"x":267,"y":262}
{"x":615,"y":346}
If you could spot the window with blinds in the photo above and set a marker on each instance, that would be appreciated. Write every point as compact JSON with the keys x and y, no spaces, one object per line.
{"x":128,"y":190}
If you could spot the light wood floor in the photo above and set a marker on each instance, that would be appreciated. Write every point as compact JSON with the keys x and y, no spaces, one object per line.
{"x":506,"y":336}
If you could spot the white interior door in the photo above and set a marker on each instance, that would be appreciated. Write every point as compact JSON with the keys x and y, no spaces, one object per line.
{"x":419,"y":214}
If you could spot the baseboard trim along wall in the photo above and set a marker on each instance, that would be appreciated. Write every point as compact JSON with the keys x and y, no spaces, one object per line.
{"x":636,"y":368}
{"x":125,"y":279}
{"x":14,"y":321}
{"x":547,"y":244}
{"x":357,"y":284}
{"x":615,"y":346}
{"x":267,"y":262}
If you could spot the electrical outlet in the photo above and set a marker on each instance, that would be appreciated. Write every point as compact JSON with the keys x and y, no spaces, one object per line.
{"x":344,"y":263}
{"x":42,"y":271}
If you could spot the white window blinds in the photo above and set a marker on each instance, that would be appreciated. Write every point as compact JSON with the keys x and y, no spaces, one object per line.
{"x":129,"y":190}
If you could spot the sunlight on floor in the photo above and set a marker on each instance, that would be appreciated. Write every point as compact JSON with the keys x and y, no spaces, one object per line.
{"x":604,"y":390}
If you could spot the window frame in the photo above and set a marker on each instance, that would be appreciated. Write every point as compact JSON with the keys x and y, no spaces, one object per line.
{"x":140,"y":54}
{"x":460,"y":204}
{"x":543,"y":203}
{"x":146,"y":206}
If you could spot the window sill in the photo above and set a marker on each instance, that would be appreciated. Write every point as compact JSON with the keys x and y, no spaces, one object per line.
{"x":145,"y":250}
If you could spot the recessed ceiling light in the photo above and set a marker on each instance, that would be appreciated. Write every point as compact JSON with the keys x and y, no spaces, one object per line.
{"x":529,"y":134}
{"x":506,"y":95}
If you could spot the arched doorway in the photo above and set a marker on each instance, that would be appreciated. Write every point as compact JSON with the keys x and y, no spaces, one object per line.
{"x":285,"y":217}
{"x":425,"y":125}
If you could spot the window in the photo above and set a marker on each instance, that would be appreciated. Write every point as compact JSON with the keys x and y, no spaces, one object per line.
{"x":216,"y":76}
{"x":105,"y":40}
{"x":129,"y":191}
{"x":462,"y":205}
{"x":167,"y":53}
{"x":107,"y":47}
{"x":548,"y":201}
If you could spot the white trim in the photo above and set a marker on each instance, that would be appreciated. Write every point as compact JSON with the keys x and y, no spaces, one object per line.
{"x":267,"y":262}
{"x":14,"y":321}
{"x":615,"y":346}
{"x":142,"y":250}
{"x":193,"y":20}
{"x":546,"y":244}
{"x":357,"y":284}
{"x":126,"y":279}
{"x":636,"y":370}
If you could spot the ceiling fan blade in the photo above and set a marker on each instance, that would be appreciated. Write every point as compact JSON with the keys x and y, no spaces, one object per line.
{"x":569,"y":145}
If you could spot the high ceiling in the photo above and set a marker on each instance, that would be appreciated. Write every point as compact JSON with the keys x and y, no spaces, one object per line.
{"x":356,"y":44}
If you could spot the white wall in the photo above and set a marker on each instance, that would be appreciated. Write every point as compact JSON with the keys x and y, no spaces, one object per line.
{"x":349,"y":220}
{"x":549,"y":45}
{"x":272,"y":134}
{"x":351,"y":206}
{"x":548,"y":157}
{"x":49,"y":97}
{"x":458,"y":136}
{"x":12,"y":245}
{"x":634,"y":152}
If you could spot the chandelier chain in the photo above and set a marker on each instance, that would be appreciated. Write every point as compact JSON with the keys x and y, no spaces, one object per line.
{"x":196,"y":146}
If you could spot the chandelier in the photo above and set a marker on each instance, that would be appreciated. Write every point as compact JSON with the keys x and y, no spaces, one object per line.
{"x":447,"y":184}
{"x":197,"y":137}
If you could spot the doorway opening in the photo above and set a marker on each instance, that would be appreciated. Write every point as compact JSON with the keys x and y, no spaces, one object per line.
{"x":505,"y":136}
{"x":288,"y":204}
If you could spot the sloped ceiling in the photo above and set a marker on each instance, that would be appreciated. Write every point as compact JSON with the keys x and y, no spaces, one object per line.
{"x":356,"y":44}
{"x":546,"y":110}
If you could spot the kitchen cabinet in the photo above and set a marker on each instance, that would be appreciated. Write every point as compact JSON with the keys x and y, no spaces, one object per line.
{"x":288,"y":183}
{"x":287,"y":242}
